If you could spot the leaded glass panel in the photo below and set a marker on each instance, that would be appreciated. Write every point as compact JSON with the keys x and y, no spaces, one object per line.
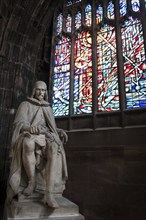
{"x":99,"y":14}
{"x":123,"y":7}
{"x":108,"y":92}
{"x":59,"y":24}
{"x":83,"y":74}
{"x":78,"y":20}
{"x":68,"y":23}
{"x":110,"y":10}
{"x":88,"y":15}
{"x":61,"y":77}
{"x":135,"y":5}
{"x":134,"y":63}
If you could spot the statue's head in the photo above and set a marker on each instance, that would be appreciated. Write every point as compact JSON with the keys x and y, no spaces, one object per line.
{"x":40,"y":91}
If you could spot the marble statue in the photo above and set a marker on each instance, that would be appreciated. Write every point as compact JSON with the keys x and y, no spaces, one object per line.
{"x":38,"y":157}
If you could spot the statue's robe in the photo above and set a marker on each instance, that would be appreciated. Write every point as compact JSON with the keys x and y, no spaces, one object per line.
{"x":25,"y":116}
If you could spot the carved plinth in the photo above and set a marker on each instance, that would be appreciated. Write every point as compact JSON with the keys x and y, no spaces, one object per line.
{"x":33,"y":208}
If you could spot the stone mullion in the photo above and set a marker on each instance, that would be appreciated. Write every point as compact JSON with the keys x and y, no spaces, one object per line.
{"x":120,"y":64}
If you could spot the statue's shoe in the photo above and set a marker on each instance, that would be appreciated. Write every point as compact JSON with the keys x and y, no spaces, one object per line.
{"x":50,"y":201}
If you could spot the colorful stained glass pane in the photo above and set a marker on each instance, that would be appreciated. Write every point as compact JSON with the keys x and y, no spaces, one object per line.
{"x":135,"y":5}
{"x":83,"y":74}
{"x":88,"y":15}
{"x":110,"y":10}
{"x":78,"y":20}
{"x":68,"y":2}
{"x":99,"y":14}
{"x":134,"y":63}
{"x":68,"y":23}
{"x":108,"y":92}
{"x":61,"y":77}
{"x":59,"y":24}
{"x":123,"y":7}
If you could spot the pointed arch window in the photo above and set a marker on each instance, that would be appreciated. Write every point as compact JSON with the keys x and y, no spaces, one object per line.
{"x":99,"y":61}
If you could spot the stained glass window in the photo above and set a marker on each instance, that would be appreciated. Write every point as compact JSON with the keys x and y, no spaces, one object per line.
{"x":78,"y":20}
{"x":83,"y":74}
{"x":108,"y":92}
{"x":134,"y":63}
{"x":123,"y":7}
{"x":110,"y":10}
{"x":95,"y":62}
{"x":88,"y":15}
{"x":61,"y":77}
{"x":135,"y":5}
{"x":59,"y":24}
{"x":99,"y":14}
{"x":68,"y":23}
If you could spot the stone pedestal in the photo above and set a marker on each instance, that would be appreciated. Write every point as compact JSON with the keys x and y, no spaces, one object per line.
{"x":33,"y":208}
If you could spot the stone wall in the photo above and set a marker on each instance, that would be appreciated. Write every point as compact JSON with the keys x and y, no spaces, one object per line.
{"x":107,"y":173}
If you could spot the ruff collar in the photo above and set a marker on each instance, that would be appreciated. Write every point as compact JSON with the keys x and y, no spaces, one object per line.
{"x":34,"y":101}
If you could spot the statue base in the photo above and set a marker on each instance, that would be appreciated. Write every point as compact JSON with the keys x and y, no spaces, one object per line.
{"x":33,"y":207}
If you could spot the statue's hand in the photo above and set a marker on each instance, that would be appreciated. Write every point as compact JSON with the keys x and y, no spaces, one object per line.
{"x":38,"y":129}
{"x":63,"y":136}
{"x":34,"y":129}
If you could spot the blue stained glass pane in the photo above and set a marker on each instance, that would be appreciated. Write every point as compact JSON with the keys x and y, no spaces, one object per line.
{"x":99,"y":14}
{"x":110,"y":10}
{"x":78,"y":1}
{"x":88,"y":15}
{"x":61,"y":77}
{"x":59,"y":24}
{"x":134,"y":63}
{"x":135,"y":5}
{"x":68,"y":23}
{"x":123,"y":7}
{"x":78,"y":20}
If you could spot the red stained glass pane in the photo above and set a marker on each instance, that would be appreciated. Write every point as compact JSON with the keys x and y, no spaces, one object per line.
{"x":83,"y":74}
{"x":134,"y":63}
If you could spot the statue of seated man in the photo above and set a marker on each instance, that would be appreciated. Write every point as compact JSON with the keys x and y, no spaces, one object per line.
{"x":36,"y":144}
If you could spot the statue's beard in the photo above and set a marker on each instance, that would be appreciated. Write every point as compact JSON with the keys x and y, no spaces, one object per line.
{"x":40,"y":97}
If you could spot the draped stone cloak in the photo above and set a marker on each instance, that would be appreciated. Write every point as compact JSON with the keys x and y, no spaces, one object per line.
{"x":26,"y":113}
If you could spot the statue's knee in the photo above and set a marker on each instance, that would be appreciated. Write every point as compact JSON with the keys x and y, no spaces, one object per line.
{"x":51,"y":150}
{"x":28,"y":145}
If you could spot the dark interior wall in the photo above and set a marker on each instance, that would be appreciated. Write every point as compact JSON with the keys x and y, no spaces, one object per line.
{"x":107,"y":166}
{"x":107,"y":173}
